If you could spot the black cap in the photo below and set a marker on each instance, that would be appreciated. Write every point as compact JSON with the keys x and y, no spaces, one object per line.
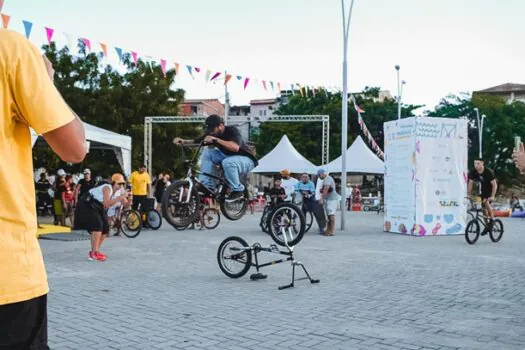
{"x":212,"y":121}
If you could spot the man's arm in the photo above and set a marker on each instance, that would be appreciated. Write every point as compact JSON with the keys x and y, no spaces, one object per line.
{"x":494,"y":188}
{"x":227,"y":145}
{"x":68,"y":141}
{"x":469,"y":187}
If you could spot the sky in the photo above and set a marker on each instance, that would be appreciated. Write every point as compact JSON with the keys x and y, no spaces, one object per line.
{"x":442,"y":47}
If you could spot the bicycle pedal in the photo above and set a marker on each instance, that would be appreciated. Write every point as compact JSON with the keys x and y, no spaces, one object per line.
{"x":257,"y":276}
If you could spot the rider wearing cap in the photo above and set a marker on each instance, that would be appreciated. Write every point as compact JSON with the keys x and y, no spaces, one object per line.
{"x":230,"y":151}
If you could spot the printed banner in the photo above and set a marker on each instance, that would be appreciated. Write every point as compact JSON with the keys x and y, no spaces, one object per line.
{"x":426,"y":176}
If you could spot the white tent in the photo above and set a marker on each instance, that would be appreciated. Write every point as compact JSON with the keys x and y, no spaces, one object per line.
{"x":99,"y":138}
{"x":359,"y":159}
{"x":284,"y":156}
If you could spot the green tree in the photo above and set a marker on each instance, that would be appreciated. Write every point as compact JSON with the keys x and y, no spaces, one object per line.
{"x":118,"y":99}
{"x":504,"y":121}
{"x":306,"y":137}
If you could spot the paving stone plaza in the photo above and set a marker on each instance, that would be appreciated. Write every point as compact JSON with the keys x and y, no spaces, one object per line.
{"x":164,"y":290}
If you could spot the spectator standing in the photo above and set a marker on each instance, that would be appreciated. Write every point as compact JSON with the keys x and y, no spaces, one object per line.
{"x":140,"y":187}
{"x":288,"y":183}
{"x":329,"y":199}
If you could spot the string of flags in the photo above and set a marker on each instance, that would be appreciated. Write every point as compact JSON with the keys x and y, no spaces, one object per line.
{"x":194,"y":71}
{"x":365,"y":130}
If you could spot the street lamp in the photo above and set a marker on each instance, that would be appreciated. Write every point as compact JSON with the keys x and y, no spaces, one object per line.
{"x":480,"y":130}
{"x":344,"y":128}
{"x":399,"y":92}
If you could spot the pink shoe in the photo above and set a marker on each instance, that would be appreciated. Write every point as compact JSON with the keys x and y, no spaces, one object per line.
{"x":100,"y":257}
{"x":91,"y":256}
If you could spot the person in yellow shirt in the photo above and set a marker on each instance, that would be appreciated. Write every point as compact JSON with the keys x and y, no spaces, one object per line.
{"x":28,"y":99}
{"x":140,"y":187}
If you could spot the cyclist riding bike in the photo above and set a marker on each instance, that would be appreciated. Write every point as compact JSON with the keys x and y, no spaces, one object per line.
{"x":228,"y":149}
{"x":487,"y":189}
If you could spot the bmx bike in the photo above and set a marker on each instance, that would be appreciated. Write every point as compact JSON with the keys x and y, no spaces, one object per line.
{"x":235,"y":256}
{"x":181,"y":202}
{"x":271,"y":204}
{"x":127,"y":221}
{"x":478,"y":220}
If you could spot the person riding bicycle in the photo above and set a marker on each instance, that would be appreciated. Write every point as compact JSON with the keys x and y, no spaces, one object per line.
{"x":488,"y":187}
{"x":228,"y":149}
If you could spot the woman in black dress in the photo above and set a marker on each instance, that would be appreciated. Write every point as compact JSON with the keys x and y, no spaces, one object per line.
{"x":91,"y":213}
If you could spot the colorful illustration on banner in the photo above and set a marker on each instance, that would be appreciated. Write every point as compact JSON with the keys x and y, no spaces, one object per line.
{"x":402,"y":228}
{"x":388,"y":226}
{"x":449,"y":130}
{"x":449,"y":218}
{"x":428,"y":218}
{"x":454,"y":229}
{"x":418,"y":230}
{"x":436,"y":229}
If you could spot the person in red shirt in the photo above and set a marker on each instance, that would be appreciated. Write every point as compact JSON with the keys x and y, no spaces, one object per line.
{"x":68,"y":198}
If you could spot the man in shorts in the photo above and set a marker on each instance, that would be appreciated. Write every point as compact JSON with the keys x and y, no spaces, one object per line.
{"x":28,"y":98}
{"x":329,"y":199}
{"x":487,"y":189}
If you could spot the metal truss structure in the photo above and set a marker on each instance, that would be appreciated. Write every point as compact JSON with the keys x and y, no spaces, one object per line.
{"x":150,"y":120}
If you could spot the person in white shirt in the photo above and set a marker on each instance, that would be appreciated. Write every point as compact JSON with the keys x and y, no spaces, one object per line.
{"x":288,"y":183}
{"x":349,"y":191}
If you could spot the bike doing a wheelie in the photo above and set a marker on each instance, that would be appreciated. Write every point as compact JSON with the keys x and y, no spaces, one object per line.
{"x":226,"y":158}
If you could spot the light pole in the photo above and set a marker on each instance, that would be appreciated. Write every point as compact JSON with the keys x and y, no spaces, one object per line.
{"x":399,"y":92}
{"x":480,"y":130}
{"x":344,"y":128}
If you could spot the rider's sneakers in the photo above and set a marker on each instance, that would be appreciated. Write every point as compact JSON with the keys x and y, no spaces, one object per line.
{"x":91,"y":256}
{"x":100,"y":256}
{"x":236,"y":195}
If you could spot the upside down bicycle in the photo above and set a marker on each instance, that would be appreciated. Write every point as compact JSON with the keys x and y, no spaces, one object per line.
{"x":181,"y":202}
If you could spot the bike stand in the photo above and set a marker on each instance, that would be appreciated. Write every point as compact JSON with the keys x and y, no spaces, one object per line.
{"x":294,"y":264}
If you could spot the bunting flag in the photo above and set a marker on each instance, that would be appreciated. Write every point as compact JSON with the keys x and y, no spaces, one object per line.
{"x":177,"y":65}
{"x":215,"y":76}
{"x":5,"y":21}
{"x":300,"y":90}
{"x":292,"y":88}
{"x":135,"y":57}
{"x":119,"y":53}
{"x":365,"y":130}
{"x":246,"y":81}
{"x":271,"y":84}
{"x":227,"y":79}
{"x":49,"y":34}
{"x":69,"y":39}
{"x":1,"y":5}
{"x":207,"y":76}
{"x":264,"y":85}
{"x":279,"y":87}
{"x":104,"y":48}
{"x":239,"y":77}
{"x":190,"y":71}
{"x":28,"y":26}
{"x":87,"y":43}
{"x":313,"y":90}
{"x":197,"y":69}
{"x":163,"y":66}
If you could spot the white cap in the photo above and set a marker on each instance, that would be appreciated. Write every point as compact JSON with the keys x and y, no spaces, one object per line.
{"x":87,"y":171}
{"x":61,"y":172}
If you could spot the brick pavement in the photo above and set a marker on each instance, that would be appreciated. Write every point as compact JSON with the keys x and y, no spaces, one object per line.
{"x":164,"y":290}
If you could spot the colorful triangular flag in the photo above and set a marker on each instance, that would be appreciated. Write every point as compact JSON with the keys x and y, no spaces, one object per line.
{"x":190,"y":70}
{"x":163,"y":66}
{"x":87,"y":43}
{"x":264,"y":85}
{"x":1,"y":4}
{"x":28,"y":26}
{"x":49,"y":34}
{"x":215,"y":76}
{"x":5,"y":21}
{"x":271,"y":84}
{"x":135,"y":57}
{"x":208,"y":75}
{"x":104,"y":48}
{"x":119,"y":53}
{"x":246,"y":81}
{"x":239,"y":77}
{"x":227,"y":79}
{"x":177,"y":65}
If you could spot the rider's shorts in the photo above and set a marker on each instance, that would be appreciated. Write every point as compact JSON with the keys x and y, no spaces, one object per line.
{"x":331,"y":206}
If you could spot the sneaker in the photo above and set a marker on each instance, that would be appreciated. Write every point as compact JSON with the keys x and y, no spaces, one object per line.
{"x":91,"y":256}
{"x":99,"y":256}
{"x":235,"y":195}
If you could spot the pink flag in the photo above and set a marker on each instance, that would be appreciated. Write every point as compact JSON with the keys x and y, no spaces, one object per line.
{"x":163,"y":66}
{"x":87,"y":42}
{"x":264,"y":85}
{"x":135,"y":56}
{"x":313,"y":90}
{"x":215,"y":76}
{"x":246,"y":81}
{"x":197,"y":69}
{"x":49,"y":34}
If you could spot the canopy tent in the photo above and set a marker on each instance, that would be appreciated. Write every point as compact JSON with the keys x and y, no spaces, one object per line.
{"x":359,"y":159}
{"x":284,"y":156}
{"x":99,"y":138}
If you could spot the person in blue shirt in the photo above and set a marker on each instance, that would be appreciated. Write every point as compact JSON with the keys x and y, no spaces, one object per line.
{"x":307,"y":189}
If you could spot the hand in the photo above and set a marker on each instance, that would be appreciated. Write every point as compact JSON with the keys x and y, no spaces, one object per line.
{"x":49,"y":67}
{"x":178,"y":141}
{"x":519,"y":157}
{"x":123,"y":198}
{"x":208,"y":140}
{"x":321,"y":200}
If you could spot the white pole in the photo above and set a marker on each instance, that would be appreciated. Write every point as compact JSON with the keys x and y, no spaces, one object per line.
{"x":344,"y":128}
{"x":398,"y":94}
{"x":481,"y":137}
{"x":479,"y":130}
{"x":226,"y":101}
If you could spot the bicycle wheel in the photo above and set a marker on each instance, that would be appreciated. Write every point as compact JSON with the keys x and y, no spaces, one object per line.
{"x":235,"y":209}
{"x":497,"y":231}
{"x":154,"y":219}
{"x":130,"y":223}
{"x":472,"y":231}
{"x":211,"y":218}
{"x":308,"y":220}
{"x":234,"y":257}
{"x":177,"y":211}
{"x":286,"y":224}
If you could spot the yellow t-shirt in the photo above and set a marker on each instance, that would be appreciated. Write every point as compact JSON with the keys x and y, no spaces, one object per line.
{"x":139,"y":183}
{"x":28,"y":98}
